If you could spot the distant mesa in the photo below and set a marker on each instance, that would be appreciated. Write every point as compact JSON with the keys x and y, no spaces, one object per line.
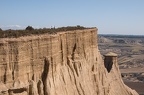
{"x":120,"y":41}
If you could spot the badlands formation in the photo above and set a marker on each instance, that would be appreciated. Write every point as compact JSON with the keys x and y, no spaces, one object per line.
{"x":66,"y":63}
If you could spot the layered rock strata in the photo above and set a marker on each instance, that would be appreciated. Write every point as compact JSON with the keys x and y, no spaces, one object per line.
{"x":66,"y":63}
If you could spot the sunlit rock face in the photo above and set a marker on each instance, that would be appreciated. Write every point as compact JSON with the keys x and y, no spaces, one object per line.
{"x":66,"y":63}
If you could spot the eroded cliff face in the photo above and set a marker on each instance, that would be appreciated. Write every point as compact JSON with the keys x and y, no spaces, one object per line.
{"x":66,"y":63}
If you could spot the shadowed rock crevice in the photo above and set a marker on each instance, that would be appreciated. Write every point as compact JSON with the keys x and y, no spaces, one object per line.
{"x":45,"y":75}
{"x":17,"y":91}
{"x":108,"y":64}
{"x":109,"y":60}
{"x":73,"y":52}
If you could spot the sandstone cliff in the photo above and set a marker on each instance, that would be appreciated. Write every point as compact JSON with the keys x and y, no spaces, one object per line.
{"x":66,"y":63}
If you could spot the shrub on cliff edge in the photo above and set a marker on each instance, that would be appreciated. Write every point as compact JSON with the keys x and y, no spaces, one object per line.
{"x":30,"y":28}
{"x":1,"y":30}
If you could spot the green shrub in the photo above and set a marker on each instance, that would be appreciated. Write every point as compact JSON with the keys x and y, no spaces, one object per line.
{"x":30,"y":28}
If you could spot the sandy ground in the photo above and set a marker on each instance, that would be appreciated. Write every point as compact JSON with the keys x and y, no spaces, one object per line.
{"x":138,"y":86}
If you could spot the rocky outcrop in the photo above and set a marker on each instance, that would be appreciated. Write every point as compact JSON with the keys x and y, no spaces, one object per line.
{"x":66,"y":63}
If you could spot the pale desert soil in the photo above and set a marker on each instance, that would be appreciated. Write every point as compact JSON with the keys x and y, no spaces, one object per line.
{"x":139,"y":87}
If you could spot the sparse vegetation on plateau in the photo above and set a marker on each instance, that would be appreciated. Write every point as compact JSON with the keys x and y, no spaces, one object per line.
{"x":31,"y":31}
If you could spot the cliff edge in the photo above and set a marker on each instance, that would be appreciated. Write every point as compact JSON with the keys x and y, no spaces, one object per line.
{"x":66,"y":63}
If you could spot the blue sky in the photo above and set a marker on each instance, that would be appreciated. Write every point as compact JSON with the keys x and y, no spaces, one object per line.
{"x":109,"y":16}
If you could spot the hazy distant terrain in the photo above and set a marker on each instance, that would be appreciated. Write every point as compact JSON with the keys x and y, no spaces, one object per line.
{"x":130,"y":50}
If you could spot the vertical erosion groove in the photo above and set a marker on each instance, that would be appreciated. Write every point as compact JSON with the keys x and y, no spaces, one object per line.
{"x":40,"y":87}
{"x":5,"y":76}
{"x":45,"y":75}
{"x":61,"y":46}
{"x":74,"y":49}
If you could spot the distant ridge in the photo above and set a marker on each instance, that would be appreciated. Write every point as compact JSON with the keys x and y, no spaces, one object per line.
{"x":121,"y":35}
